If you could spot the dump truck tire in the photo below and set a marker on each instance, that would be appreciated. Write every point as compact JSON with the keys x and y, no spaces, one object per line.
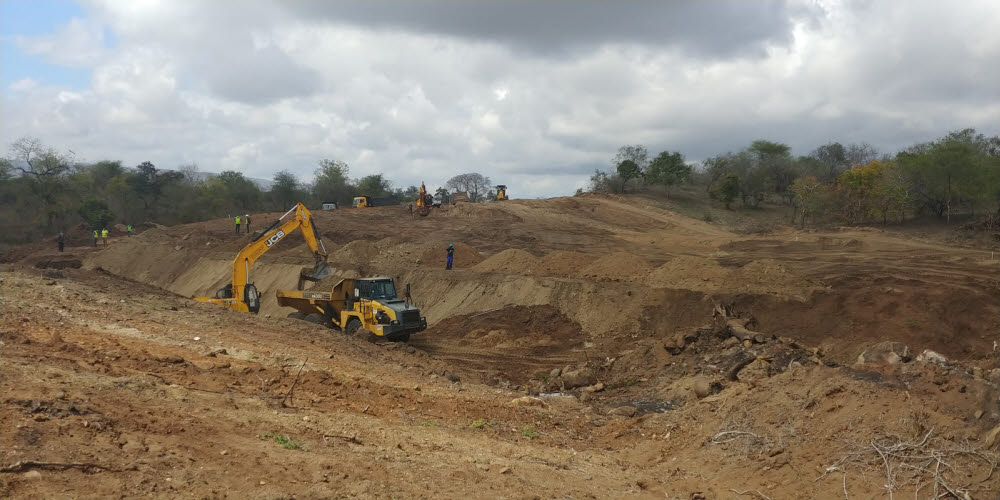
{"x":352,"y":326}
{"x":315,"y":318}
{"x":403,"y":337}
{"x":296,"y":315}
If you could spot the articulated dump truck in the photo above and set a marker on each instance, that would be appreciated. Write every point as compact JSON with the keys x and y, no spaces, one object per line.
{"x":355,"y":303}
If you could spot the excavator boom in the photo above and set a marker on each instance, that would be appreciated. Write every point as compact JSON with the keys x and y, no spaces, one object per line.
{"x":241,"y":294}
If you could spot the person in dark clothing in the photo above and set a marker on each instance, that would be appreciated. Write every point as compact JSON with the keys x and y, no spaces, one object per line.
{"x":451,"y":255}
{"x":61,"y":241}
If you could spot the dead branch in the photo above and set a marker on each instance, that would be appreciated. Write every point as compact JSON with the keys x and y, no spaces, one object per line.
{"x":751,"y":492}
{"x":294,"y":382}
{"x":718,"y":438}
{"x":23,"y":465}
{"x":928,"y":460}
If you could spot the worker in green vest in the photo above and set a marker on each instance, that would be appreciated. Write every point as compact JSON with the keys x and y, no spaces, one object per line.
{"x":104,"y":236}
{"x":237,"y":224}
{"x":95,"y":237}
{"x":128,"y":228}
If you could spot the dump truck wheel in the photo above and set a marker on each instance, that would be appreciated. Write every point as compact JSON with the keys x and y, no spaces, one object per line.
{"x":352,"y":326}
{"x":315,"y":318}
{"x":403,"y":337}
{"x":296,"y":315}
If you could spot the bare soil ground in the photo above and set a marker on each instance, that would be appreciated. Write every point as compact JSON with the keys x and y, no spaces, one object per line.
{"x":115,"y":384}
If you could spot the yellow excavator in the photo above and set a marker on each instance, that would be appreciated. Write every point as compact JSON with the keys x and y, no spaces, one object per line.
{"x":424,"y":201}
{"x":241,"y":294}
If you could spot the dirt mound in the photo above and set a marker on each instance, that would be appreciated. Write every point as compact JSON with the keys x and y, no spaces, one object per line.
{"x":562,"y":263}
{"x":513,"y":261}
{"x":489,"y":211}
{"x":761,"y":276}
{"x":689,"y":272}
{"x":355,"y":252}
{"x":435,"y":255}
{"x":514,"y":343}
{"x":619,"y":266}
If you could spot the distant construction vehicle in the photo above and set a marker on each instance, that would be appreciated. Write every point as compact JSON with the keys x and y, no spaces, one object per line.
{"x":501,"y":194}
{"x":371,"y":201}
{"x":355,"y":303}
{"x":458,"y":196}
{"x":241,"y":294}
{"x":424,"y":201}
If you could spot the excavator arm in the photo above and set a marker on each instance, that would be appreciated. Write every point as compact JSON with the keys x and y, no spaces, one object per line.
{"x":241,"y":294}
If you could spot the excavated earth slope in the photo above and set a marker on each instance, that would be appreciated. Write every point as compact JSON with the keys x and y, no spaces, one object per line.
{"x":581,"y":347}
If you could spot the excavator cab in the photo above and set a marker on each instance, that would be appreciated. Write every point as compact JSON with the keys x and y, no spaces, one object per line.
{"x":501,"y":193}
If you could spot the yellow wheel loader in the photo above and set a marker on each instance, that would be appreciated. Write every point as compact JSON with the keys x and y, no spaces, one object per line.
{"x":501,"y":193}
{"x":355,"y":303}
{"x":241,"y":294}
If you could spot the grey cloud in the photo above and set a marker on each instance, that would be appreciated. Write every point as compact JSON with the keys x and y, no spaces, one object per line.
{"x":721,"y":28}
{"x":257,"y":76}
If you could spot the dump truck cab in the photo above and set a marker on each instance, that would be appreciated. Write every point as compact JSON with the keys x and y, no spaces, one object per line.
{"x":355,"y":303}
{"x":360,"y":201}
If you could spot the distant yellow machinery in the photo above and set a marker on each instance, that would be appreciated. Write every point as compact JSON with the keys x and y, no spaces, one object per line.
{"x":355,"y":303}
{"x":241,"y":294}
{"x":424,"y":201}
{"x":501,"y":193}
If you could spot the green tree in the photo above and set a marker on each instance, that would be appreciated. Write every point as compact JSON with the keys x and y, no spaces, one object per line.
{"x":96,"y":214}
{"x":627,"y":170}
{"x":833,"y":157}
{"x":374,"y":185}
{"x":332,"y":183}
{"x":726,"y":189}
{"x":441,"y":194}
{"x":668,"y":169}
{"x":241,"y":193}
{"x":284,"y":189}
{"x":810,"y":197}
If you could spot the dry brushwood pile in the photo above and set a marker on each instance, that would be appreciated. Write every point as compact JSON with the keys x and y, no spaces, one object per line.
{"x":584,"y":347}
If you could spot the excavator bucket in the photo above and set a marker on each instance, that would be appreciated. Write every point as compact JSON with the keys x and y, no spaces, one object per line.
{"x":322,"y":270}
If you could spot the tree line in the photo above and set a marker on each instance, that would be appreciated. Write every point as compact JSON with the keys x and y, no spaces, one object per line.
{"x":44,"y":191}
{"x":854,"y":184}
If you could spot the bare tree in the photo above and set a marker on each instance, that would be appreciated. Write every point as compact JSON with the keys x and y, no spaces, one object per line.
{"x":190,"y":172}
{"x":476,"y":184}
{"x":860,"y":154}
{"x":31,"y":157}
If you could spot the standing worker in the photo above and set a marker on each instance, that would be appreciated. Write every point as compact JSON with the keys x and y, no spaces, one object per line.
{"x":61,"y":240}
{"x":451,"y":255}
{"x":104,"y":236}
{"x":237,"y":224}
{"x":246,"y":222}
{"x":95,"y":237}
{"x":128,"y":229}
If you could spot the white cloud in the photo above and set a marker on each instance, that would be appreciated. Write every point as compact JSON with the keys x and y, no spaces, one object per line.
{"x":79,"y":43}
{"x":263,"y":87}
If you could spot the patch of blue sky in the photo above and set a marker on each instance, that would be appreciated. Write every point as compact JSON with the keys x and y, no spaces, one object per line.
{"x":36,"y":18}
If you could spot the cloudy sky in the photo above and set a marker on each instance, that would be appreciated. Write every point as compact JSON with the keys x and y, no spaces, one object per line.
{"x":534,"y":94}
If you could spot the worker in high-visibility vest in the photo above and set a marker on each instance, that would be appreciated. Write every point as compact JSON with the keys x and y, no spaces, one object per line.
{"x":95,"y":237}
{"x":104,"y":236}
{"x":237,"y":224}
{"x":129,"y":229}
